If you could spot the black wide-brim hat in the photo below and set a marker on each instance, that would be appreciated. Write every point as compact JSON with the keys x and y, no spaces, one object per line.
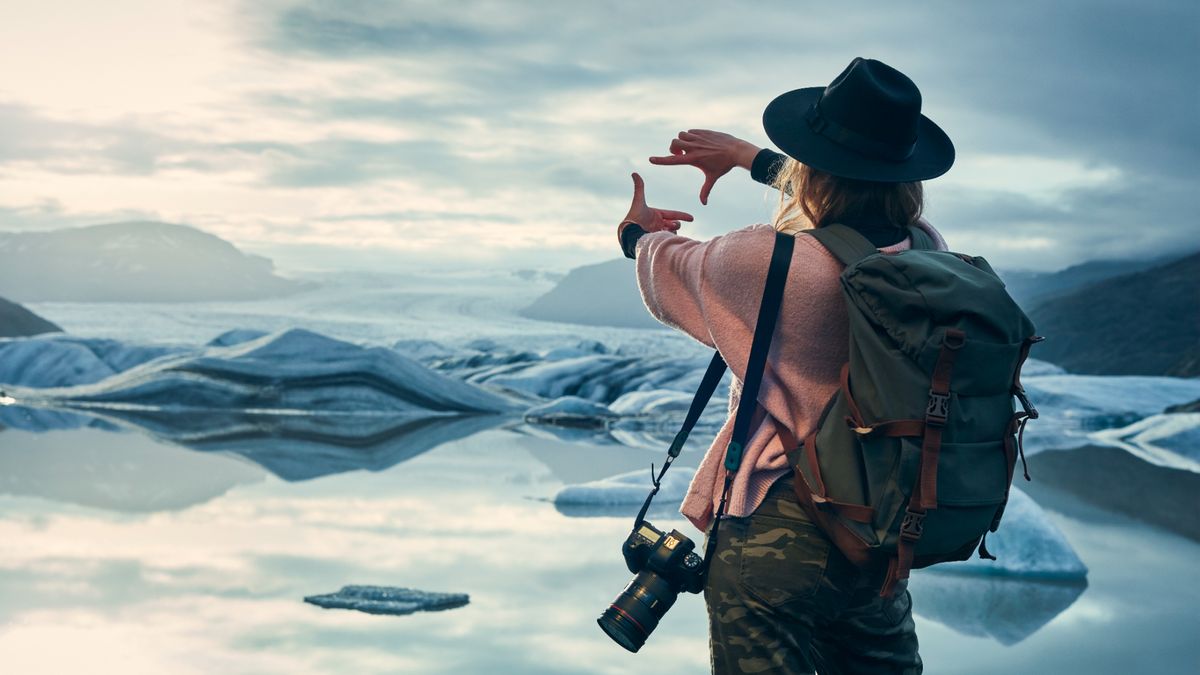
{"x":867,"y":125}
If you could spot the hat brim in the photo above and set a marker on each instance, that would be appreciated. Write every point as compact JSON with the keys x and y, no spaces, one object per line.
{"x":784,"y":123}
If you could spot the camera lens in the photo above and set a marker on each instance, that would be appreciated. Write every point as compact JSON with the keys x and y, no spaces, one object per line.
{"x":631,"y":618}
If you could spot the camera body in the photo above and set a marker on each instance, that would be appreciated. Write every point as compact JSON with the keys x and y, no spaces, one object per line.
{"x":664,"y":565}
{"x":667,"y":555}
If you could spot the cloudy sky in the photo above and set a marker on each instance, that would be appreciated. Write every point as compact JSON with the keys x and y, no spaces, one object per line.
{"x":381,"y":134}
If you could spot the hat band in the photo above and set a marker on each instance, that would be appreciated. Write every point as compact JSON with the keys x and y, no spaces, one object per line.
{"x":854,"y":140}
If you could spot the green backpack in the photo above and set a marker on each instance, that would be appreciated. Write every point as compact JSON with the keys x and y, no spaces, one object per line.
{"x":913,"y":457}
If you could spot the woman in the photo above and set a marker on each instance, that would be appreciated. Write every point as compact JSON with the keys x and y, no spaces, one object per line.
{"x":780,"y":596}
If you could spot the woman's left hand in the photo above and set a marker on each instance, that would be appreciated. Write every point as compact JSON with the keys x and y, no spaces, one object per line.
{"x":652,"y":220}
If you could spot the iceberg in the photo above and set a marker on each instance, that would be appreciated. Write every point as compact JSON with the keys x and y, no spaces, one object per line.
{"x":65,"y":361}
{"x":1171,"y":440}
{"x":571,"y":411}
{"x":624,"y":493}
{"x":1074,"y":406}
{"x":1006,"y":610}
{"x":388,"y":600}
{"x":295,"y":370}
{"x":1026,"y":545}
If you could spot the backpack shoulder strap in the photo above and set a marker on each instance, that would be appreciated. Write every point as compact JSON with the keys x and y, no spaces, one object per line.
{"x":764,"y":329}
{"x":844,"y":242}
{"x":921,"y":239}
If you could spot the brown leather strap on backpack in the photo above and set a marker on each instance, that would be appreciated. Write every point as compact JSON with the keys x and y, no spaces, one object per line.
{"x":924,"y":494}
{"x":856,"y":512}
{"x":936,"y":412}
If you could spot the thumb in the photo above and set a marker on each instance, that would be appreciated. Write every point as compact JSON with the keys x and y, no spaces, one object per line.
{"x":639,"y":189}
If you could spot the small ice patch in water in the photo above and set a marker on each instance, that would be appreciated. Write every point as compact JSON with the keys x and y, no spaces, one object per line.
{"x":388,"y":600}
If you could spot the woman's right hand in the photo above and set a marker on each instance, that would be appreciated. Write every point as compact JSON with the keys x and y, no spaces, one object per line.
{"x":713,"y":152}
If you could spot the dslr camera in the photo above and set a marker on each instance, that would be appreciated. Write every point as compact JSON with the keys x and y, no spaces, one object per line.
{"x":665,"y":565}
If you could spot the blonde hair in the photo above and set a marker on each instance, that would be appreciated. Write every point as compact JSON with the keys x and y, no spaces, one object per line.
{"x":811,"y":198}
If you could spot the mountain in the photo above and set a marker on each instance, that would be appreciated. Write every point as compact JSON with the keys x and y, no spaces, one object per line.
{"x":132,"y":262}
{"x":604,"y":294}
{"x":1144,"y":323}
{"x":1032,"y":288}
{"x":16,"y":321}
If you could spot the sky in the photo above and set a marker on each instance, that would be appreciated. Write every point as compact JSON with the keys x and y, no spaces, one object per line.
{"x":409,"y":135}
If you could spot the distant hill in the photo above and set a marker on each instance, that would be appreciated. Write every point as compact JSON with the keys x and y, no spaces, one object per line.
{"x":132,"y":262}
{"x":604,"y":294}
{"x":16,"y":321}
{"x":1144,"y":323}
{"x":1031,"y":288}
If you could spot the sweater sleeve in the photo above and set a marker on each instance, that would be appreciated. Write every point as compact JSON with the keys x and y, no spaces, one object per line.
{"x":701,"y":287}
{"x":670,"y":274}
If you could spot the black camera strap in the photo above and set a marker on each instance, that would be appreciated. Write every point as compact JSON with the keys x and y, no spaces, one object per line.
{"x":764,"y":329}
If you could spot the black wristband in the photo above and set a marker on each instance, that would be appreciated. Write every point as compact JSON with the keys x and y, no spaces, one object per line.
{"x":629,"y":238}
{"x":766,"y":166}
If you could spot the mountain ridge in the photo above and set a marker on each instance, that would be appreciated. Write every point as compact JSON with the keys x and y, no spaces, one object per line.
{"x":132,"y":261}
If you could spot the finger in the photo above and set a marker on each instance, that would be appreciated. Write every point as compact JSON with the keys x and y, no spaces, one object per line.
{"x":669,"y":160}
{"x":709,"y":181}
{"x":668,"y":214}
{"x":639,"y":189}
{"x":678,"y":146}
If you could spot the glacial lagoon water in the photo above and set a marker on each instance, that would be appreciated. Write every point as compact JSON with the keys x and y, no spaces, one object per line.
{"x":127,"y":550}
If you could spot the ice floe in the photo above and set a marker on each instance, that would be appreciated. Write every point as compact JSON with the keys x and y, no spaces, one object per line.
{"x":571,"y":411}
{"x":1027,"y":544}
{"x":1171,"y":440}
{"x":295,"y":370}
{"x":388,"y":600}
{"x":624,"y":493}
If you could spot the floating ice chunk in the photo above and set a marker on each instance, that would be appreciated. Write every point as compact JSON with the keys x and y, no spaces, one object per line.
{"x":1074,"y":406}
{"x":388,"y":600}
{"x":571,"y":411}
{"x":422,"y":350}
{"x":63,"y":360}
{"x":1171,"y":440}
{"x":627,"y":488}
{"x":1007,"y":610}
{"x":235,"y":337}
{"x":1036,"y":367}
{"x":296,"y":370}
{"x":1027,"y":544}
{"x":582,"y":348}
{"x":653,"y":402}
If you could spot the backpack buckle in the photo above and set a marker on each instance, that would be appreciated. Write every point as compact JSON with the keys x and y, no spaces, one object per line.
{"x":938,"y":409}
{"x":913,"y":525}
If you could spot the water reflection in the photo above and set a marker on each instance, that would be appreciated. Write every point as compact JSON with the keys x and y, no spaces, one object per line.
{"x":1007,"y":610}
{"x":218,"y":582}
{"x":293,"y":447}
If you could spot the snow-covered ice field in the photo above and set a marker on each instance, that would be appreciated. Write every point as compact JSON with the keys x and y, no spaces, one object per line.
{"x":139,"y":538}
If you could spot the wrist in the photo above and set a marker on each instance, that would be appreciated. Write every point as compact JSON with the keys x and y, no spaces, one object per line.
{"x":745,"y":153}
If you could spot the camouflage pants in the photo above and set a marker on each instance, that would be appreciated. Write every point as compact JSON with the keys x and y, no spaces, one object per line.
{"x":782,"y":599}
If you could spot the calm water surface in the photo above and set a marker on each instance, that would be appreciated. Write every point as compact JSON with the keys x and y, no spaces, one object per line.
{"x":125,"y":555}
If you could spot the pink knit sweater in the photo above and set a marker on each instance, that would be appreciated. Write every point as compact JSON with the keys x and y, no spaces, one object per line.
{"x":711,"y":290}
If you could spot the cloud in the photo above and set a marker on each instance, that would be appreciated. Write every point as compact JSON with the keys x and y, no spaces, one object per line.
{"x":1071,"y":122}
